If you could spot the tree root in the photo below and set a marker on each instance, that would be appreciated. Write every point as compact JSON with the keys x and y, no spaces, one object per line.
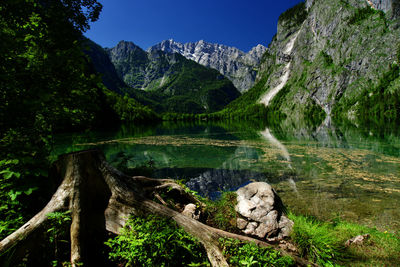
{"x":102,"y":198}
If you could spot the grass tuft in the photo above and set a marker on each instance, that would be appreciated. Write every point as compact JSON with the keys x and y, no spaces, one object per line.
{"x":324,"y":243}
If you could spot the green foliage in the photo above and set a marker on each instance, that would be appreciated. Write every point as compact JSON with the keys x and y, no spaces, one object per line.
{"x":45,"y":86}
{"x":247,"y":254}
{"x":155,"y":241}
{"x":324,"y":243}
{"x":58,"y":236}
{"x":10,"y":211}
{"x":398,"y":53}
{"x":316,"y":241}
{"x":221,"y":213}
{"x":327,"y":59}
{"x":314,"y":115}
{"x":187,"y":86}
{"x":251,"y":96}
{"x":127,"y":109}
{"x":363,"y":13}
{"x":379,"y":105}
{"x":296,"y":14}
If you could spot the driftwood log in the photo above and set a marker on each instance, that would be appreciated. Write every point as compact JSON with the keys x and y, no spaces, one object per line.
{"x":102,"y":198}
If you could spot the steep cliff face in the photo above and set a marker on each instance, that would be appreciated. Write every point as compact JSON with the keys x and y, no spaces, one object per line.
{"x":233,"y":63}
{"x":103,"y":65}
{"x":333,"y":57}
{"x":169,"y":81}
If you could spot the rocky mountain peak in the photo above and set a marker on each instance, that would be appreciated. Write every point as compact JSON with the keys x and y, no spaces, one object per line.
{"x":123,"y":49}
{"x":235,"y":64}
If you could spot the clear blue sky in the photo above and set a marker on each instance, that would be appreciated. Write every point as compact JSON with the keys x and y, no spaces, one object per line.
{"x":239,"y":23}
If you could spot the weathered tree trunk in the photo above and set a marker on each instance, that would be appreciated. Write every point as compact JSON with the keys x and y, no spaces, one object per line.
{"x":101,"y":198}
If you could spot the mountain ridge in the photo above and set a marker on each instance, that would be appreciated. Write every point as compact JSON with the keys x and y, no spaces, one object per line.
{"x":167,"y":82}
{"x":236,"y":65}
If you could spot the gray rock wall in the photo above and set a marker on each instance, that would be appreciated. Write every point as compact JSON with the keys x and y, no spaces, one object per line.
{"x":333,"y":59}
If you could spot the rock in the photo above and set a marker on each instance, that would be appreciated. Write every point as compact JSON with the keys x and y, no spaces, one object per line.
{"x":153,"y":70}
{"x":251,"y":228}
{"x":324,"y":36}
{"x":191,"y":211}
{"x":241,"y":223}
{"x":262,"y":212}
{"x":358,"y":240}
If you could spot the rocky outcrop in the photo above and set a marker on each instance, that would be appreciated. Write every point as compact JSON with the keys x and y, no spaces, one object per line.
{"x":236,"y":65}
{"x":341,"y":51}
{"x":262,"y":212}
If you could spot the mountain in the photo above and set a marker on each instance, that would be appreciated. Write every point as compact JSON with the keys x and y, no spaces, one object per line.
{"x":233,"y":63}
{"x":168,"y":82}
{"x":102,"y":64}
{"x":333,"y":59}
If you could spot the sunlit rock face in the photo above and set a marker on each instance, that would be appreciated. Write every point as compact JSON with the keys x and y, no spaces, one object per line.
{"x":236,"y":65}
{"x":262,"y":212}
{"x":340,"y":50}
{"x":387,"y":6}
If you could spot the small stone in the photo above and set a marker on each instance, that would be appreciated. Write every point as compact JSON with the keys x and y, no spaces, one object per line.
{"x":241,"y":223}
{"x":358,"y":240}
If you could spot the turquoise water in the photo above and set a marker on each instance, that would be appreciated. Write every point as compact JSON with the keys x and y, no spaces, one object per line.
{"x":327,"y":172}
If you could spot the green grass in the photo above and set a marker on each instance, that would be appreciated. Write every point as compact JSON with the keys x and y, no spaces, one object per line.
{"x":221,"y":213}
{"x":323,"y":243}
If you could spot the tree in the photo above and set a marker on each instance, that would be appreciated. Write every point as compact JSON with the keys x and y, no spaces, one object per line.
{"x":45,"y":85}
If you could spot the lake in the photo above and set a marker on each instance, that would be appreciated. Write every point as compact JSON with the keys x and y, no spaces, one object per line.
{"x":328,"y":172}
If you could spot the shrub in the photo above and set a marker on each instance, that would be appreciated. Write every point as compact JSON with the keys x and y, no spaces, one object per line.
{"x":155,"y":241}
{"x":246,"y":254}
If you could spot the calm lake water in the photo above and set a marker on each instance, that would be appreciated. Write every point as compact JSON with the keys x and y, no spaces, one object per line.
{"x":327,"y":172}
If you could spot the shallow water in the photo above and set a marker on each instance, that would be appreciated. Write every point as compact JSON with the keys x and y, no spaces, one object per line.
{"x":326,"y":172}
